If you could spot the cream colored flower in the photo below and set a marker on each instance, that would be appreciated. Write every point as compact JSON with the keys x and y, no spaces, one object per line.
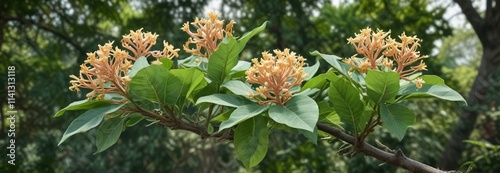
{"x":139,"y":43}
{"x":380,"y":52}
{"x":419,"y":82}
{"x":276,"y":75}
{"x":209,"y":33}
{"x":104,"y":71}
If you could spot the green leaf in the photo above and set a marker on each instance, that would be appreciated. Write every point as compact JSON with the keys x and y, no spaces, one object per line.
{"x":190,"y":80}
{"x":432,"y":79}
{"x":396,"y":118}
{"x":222,"y":117}
{"x":382,"y":86}
{"x":238,"y":72}
{"x":139,"y":64}
{"x":241,"y":66}
{"x":222,"y":99}
{"x":328,"y":115}
{"x":193,"y":61}
{"x":83,"y":105}
{"x":156,"y":84}
{"x":133,"y":119}
{"x":108,"y":133}
{"x":226,"y":56}
{"x":410,"y":91}
{"x":244,"y":39}
{"x":238,"y":87}
{"x":88,"y":120}
{"x":311,"y":136}
{"x":300,"y":112}
{"x":251,"y":139}
{"x":318,"y":82}
{"x":167,"y":63}
{"x":333,"y":60}
{"x":241,"y":114}
{"x":311,"y":70}
{"x":346,"y":101}
{"x":308,"y":92}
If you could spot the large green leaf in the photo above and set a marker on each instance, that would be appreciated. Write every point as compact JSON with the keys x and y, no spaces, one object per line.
{"x":410,"y":91}
{"x":382,"y":86}
{"x":226,"y":56}
{"x":88,"y":120}
{"x":83,"y":105}
{"x":133,"y":119}
{"x":318,"y":82}
{"x":432,"y":79}
{"x":190,"y":80}
{"x":346,"y":101}
{"x":167,"y":63}
{"x":396,"y":118}
{"x":241,"y":66}
{"x":311,"y":70}
{"x":139,"y":64}
{"x":251,"y":139}
{"x":156,"y":84}
{"x":328,"y":115}
{"x":311,"y":136}
{"x":241,"y":114}
{"x":222,"y":99}
{"x":333,"y":60}
{"x":238,"y":87}
{"x":108,"y":133}
{"x":300,"y":112}
{"x":222,"y":117}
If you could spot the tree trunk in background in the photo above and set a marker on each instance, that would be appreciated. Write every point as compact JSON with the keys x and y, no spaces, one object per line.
{"x":488,"y":31}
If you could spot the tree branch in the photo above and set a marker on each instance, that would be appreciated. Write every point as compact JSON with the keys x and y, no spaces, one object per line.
{"x":474,"y":18}
{"x":397,"y":159}
{"x":62,"y":36}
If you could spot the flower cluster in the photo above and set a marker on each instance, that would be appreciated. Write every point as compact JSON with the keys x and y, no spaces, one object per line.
{"x":106,"y":70}
{"x":140,"y":44}
{"x":277,"y":75}
{"x":209,"y":33}
{"x":380,"y":52}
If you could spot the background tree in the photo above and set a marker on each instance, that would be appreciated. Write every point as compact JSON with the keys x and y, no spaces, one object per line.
{"x":487,"y":29}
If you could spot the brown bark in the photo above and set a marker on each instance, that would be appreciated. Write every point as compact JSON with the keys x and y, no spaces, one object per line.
{"x":397,"y":158}
{"x":488,"y":32}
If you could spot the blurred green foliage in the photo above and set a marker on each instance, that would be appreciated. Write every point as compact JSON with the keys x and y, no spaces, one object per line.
{"x":46,"y":40}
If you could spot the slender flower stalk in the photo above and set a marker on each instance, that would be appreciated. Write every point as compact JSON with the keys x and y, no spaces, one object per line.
{"x":209,"y":33}
{"x":380,"y":52}
{"x":276,"y":75}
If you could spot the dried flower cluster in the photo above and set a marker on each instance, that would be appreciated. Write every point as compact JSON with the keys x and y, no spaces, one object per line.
{"x":106,"y":70}
{"x":380,"y":52}
{"x":209,"y":33}
{"x":276,"y":75}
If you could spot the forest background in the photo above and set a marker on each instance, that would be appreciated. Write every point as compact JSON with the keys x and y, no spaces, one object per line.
{"x":46,"y":40}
